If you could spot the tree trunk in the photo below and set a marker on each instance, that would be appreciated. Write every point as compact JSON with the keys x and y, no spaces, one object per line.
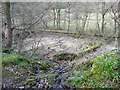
{"x":65,"y":19}
{"x":97,"y":17}
{"x":76,"y":21}
{"x":7,"y":29}
{"x":115,"y":26}
{"x":103,"y":18}
{"x":115,"y":21}
{"x":54,"y":16}
{"x":118,"y":30}
{"x":84,"y":22}
{"x":102,"y":27}
{"x":68,"y":17}
{"x":59,"y":18}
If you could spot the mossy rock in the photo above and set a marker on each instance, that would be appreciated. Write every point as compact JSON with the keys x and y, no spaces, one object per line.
{"x":65,"y":56}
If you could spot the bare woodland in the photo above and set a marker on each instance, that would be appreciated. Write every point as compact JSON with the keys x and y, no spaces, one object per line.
{"x":58,"y":44}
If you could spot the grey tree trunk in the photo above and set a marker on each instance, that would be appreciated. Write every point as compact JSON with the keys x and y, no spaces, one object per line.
{"x":84,"y":21}
{"x":119,"y":29}
{"x":7,"y":29}
{"x":68,"y":16}
{"x":103,"y":18}
{"x":65,"y":19}
{"x":59,"y":18}
{"x":97,"y":18}
{"x":115,"y":21}
{"x":54,"y":16}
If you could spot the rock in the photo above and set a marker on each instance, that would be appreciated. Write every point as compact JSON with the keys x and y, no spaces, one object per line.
{"x":22,"y":87}
{"x":27,"y":86}
{"x":40,"y":86}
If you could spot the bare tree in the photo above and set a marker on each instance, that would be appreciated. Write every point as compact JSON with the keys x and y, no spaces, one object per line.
{"x":105,"y":9}
{"x":115,"y":18}
{"x":21,"y":21}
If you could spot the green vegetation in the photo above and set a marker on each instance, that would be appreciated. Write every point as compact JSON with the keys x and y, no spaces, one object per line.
{"x":51,"y":77}
{"x":24,"y":66}
{"x":38,"y":59}
{"x":17,"y":59}
{"x":65,"y":56}
{"x":31,"y":80}
{"x":99,"y":72}
{"x":45,"y":65}
{"x":87,"y":50}
{"x":14,"y":59}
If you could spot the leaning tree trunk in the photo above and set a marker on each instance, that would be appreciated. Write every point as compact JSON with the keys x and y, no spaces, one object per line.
{"x":7,"y":27}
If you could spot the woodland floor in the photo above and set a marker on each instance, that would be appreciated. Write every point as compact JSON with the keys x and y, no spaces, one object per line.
{"x":53,"y":44}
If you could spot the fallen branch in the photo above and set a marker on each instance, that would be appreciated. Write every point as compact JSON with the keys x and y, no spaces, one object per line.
{"x":87,"y":50}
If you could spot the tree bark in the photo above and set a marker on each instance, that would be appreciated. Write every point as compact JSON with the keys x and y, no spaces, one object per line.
{"x":7,"y":27}
{"x":84,"y":21}
{"x":65,"y":19}
{"x":103,"y":17}
{"x":97,"y":17}
{"x":68,"y":17}
{"x":115,"y":21}
{"x":54,"y":16}
{"x":59,"y":18}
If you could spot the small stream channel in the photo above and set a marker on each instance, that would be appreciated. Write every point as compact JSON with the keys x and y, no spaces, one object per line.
{"x":68,"y":44}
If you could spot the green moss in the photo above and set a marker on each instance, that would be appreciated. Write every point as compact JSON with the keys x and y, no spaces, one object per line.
{"x":31,"y":80}
{"x":87,"y":50}
{"x":51,"y":77}
{"x":18,"y":79}
{"x":14,"y":59}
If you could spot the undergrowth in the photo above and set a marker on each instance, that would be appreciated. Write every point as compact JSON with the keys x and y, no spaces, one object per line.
{"x":101,"y":72}
{"x":14,"y":59}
